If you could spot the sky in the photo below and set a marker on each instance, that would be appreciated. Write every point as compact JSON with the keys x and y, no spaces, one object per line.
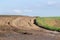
{"x":30,"y":7}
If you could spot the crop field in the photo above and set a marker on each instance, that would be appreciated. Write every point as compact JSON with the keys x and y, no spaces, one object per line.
{"x":51,"y":23}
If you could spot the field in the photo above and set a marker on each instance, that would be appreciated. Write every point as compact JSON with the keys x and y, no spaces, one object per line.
{"x":51,"y":23}
{"x":24,"y":28}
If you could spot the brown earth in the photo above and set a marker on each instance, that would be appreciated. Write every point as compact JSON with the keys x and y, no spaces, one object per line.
{"x":23,"y":28}
{"x":53,"y":22}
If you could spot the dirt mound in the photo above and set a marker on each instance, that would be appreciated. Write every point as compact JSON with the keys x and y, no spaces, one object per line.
{"x":25,"y":23}
{"x":18,"y":22}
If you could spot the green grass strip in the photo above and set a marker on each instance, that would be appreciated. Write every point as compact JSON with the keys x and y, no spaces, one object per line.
{"x":41,"y":22}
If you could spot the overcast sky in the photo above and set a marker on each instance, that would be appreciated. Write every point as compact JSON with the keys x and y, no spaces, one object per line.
{"x":30,"y":7}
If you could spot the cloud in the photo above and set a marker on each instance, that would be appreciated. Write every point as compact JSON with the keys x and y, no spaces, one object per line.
{"x":27,"y":10}
{"x":52,"y":2}
{"x":21,"y":11}
{"x":55,"y":4}
{"x":17,"y":11}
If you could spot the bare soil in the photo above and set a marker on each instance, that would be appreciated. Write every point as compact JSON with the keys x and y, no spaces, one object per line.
{"x":23,"y":28}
